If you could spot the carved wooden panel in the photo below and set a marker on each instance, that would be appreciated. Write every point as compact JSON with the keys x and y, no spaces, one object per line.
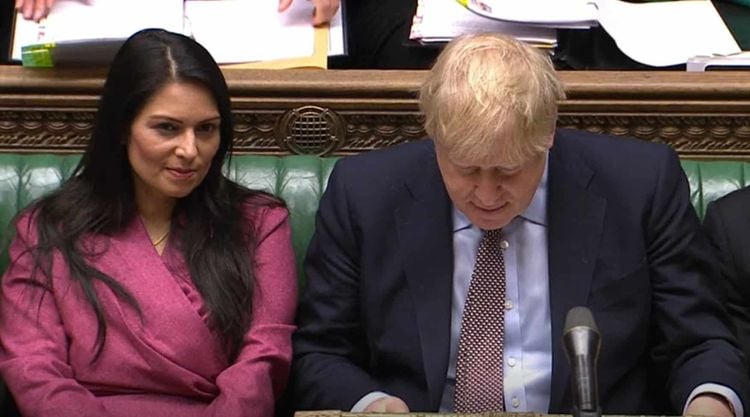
{"x":704,"y":115}
{"x":690,"y":135}
{"x":64,"y":130}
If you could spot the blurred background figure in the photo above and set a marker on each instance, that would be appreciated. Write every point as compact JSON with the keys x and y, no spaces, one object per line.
{"x":728,"y":226}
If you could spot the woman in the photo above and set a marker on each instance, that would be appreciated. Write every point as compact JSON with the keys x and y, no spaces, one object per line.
{"x":149,"y":283}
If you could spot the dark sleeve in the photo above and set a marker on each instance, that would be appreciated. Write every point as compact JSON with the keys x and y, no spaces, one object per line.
{"x":330,"y":352}
{"x":695,"y":344}
{"x":727,"y":236}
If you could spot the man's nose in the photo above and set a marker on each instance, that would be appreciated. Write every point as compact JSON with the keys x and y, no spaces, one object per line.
{"x":487,"y":190}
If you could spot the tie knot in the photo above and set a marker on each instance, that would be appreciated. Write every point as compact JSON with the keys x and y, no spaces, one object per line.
{"x":493,"y":234}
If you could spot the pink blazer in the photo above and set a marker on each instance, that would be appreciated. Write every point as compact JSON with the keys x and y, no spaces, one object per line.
{"x":167,"y":363}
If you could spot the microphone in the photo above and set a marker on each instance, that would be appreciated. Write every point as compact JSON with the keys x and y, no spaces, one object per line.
{"x":581,"y":341}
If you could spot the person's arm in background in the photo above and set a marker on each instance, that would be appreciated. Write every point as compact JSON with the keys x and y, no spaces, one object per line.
{"x":34,"y":9}
{"x":38,"y":9}
{"x":706,"y":371}
{"x":726,"y":225}
{"x":324,"y":9}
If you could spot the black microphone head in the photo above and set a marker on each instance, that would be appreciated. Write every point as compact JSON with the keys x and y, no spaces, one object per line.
{"x":579,"y":317}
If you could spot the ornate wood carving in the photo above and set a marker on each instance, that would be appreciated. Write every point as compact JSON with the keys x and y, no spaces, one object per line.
{"x":690,"y":135}
{"x":702,"y":115}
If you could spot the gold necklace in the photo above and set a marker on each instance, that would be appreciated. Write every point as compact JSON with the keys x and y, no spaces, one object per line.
{"x":161,"y":239}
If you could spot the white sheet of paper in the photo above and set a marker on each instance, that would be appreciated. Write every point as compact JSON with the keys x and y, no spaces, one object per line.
{"x":666,"y":33}
{"x":443,"y":20}
{"x":251,"y":30}
{"x":552,"y":13}
{"x":336,"y":45}
{"x":72,"y":20}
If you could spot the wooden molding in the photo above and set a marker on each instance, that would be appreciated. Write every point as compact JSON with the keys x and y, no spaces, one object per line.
{"x":702,"y":115}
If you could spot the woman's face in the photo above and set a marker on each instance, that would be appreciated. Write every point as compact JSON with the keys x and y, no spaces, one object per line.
{"x":172,"y":142}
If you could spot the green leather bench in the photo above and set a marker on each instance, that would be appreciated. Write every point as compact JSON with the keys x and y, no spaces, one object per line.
{"x":299,"y":180}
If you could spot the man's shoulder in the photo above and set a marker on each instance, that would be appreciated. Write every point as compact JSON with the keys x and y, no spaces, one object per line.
{"x":391,"y":162}
{"x":603,"y":146}
{"x":617,"y":156}
{"x":735,"y":203}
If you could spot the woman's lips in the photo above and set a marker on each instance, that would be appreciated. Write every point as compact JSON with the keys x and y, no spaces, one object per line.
{"x":182,"y":174}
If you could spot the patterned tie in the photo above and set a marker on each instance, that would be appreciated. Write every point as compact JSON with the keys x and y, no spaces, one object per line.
{"x":479,"y":367}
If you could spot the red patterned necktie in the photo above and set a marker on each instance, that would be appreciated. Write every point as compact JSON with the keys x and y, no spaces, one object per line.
{"x":479,"y":367}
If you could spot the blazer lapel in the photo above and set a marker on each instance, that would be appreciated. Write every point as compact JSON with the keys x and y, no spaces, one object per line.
{"x":575,"y":217}
{"x":424,"y":234}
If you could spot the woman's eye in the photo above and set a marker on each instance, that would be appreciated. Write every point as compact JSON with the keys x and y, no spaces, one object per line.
{"x":207,"y":128}
{"x":166,"y":127}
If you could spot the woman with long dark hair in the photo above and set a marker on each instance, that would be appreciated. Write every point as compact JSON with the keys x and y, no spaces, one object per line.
{"x":149,"y":283}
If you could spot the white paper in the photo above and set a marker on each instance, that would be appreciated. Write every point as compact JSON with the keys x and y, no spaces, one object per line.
{"x":443,"y":20}
{"x":251,"y":30}
{"x":666,"y":33}
{"x":75,"y":20}
{"x":735,"y":61}
{"x":336,"y":45}
{"x":552,"y":13}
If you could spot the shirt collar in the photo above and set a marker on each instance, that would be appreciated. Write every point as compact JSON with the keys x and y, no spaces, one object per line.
{"x":536,"y":212}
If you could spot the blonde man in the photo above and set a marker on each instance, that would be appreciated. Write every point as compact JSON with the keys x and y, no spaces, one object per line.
{"x":504,"y":221}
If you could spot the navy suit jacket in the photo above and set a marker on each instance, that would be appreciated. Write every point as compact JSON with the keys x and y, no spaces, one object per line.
{"x":727,"y":223}
{"x":623,"y":240}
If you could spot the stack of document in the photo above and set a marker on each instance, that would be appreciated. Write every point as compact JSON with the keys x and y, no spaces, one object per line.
{"x":719,"y":62}
{"x":233,"y":31}
{"x":658,"y":34}
{"x":561,"y":14}
{"x":442,"y":20}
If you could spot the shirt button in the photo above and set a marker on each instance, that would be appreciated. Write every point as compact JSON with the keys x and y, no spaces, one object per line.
{"x":515,"y":402}
{"x":504,"y":244}
{"x":511,"y":362}
{"x":508,"y":305}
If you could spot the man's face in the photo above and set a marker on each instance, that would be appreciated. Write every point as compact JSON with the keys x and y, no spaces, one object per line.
{"x":490,"y":193}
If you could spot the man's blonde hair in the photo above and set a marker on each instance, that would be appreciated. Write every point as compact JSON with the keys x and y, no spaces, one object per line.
{"x":487,"y":88}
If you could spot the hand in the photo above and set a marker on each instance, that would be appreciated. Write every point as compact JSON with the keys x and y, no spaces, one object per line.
{"x":324,"y":9}
{"x":708,"y":404}
{"x":387,"y":405}
{"x":34,"y":9}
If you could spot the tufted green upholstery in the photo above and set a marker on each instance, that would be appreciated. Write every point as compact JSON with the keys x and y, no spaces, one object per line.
{"x":299,"y":180}
{"x":710,"y":180}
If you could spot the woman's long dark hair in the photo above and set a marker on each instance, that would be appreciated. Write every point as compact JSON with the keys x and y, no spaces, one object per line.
{"x":213,"y":236}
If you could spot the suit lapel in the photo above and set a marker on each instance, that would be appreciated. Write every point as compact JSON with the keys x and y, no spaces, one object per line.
{"x":424,"y":234}
{"x":575,"y":225}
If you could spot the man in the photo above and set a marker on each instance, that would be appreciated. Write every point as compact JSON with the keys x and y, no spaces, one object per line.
{"x":728,"y":227}
{"x":441,"y":271}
